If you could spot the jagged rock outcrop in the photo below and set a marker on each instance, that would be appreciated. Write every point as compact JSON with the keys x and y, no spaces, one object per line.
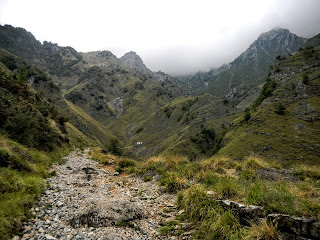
{"x":133,"y":60}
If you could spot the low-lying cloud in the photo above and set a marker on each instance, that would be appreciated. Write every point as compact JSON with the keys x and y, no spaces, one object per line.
{"x":178,"y":37}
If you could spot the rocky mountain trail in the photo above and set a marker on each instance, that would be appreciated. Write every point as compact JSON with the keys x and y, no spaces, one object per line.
{"x":86,"y":200}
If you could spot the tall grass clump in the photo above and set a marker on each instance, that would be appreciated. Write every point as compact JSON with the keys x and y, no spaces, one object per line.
{"x":213,"y":222}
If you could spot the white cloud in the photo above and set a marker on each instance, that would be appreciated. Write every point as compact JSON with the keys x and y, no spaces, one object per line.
{"x":172,"y":35}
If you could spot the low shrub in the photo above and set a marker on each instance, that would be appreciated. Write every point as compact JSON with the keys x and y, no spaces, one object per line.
{"x":280,"y":109}
{"x":125,"y":162}
{"x":147,"y":178}
{"x":305,"y":78}
{"x":114,"y":147}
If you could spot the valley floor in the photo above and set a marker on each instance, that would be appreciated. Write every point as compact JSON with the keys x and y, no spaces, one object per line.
{"x":86,"y":200}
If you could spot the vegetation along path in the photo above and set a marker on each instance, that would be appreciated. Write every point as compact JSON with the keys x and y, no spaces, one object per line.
{"x":86,"y":200}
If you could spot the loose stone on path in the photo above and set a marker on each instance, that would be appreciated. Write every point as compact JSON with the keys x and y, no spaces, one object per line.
{"x":85,"y":201}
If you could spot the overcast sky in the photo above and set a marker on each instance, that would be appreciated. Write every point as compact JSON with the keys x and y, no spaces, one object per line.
{"x":170,"y":35}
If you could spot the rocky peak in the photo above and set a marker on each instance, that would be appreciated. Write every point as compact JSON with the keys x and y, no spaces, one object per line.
{"x":133,"y":60}
{"x":277,"y":41}
{"x":249,"y":69}
{"x":274,"y":33}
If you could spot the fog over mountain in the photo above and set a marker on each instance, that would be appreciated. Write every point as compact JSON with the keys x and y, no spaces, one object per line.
{"x":177,"y":37}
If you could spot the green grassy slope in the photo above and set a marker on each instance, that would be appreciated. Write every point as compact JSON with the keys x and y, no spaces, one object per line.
{"x":286,"y":127}
{"x":100,"y":96}
{"x":33,"y":135}
{"x":168,"y":129}
{"x":137,"y":108}
{"x":313,"y":42}
{"x":88,"y":126}
{"x":45,"y":86}
{"x":22,"y":171}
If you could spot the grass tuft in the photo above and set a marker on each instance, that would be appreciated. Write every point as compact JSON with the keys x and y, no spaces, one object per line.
{"x":262,"y":231}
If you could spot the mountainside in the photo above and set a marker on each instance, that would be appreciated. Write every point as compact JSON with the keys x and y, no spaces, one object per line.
{"x":187,"y":126}
{"x":103,"y":94}
{"x":19,"y":42}
{"x":250,"y":69}
{"x":313,"y":42}
{"x":42,"y":83}
{"x":52,"y":58}
{"x":133,"y":60}
{"x":25,"y":115}
{"x":105,"y":97}
{"x":285,"y":128}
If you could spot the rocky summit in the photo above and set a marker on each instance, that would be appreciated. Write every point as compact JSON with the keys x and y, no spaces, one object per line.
{"x":133,"y":60}
{"x":233,"y":80}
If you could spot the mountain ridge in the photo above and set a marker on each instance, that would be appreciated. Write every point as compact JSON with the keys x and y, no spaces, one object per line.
{"x":249,"y":69}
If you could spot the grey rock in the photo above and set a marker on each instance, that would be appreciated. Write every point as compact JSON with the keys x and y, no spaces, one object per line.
{"x":49,"y":237}
{"x":306,"y":225}
{"x":210,"y":193}
{"x":315,"y":230}
{"x":27,"y":230}
{"x":299,"y":126}
{"x":256,"y":210}
{"x":108,"y":214}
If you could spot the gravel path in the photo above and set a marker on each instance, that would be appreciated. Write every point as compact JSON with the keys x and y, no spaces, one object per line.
{"x":85,"y":200}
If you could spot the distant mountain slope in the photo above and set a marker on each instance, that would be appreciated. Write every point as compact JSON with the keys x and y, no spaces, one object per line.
{"x":249,"y":69}
{"x":285,"y":128}
{"x":188,"y":126}
{"x":134,"y":61}
{"x":54,"y":59}
{"x":43,"y":84}
{"x":135,"y":105}
{"x":105,"y":97}
{"x":19,"y":42}
{"x":313,"y":42}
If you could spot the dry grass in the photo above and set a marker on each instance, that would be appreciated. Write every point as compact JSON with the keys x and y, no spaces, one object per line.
{"x":254,"y":163}
{"x":102,"y":158}
{"x":262,"y":231}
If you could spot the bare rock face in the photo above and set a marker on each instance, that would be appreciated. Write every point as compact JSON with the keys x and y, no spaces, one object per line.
{"x":133,"y":60}
{"x":108,"y":214}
